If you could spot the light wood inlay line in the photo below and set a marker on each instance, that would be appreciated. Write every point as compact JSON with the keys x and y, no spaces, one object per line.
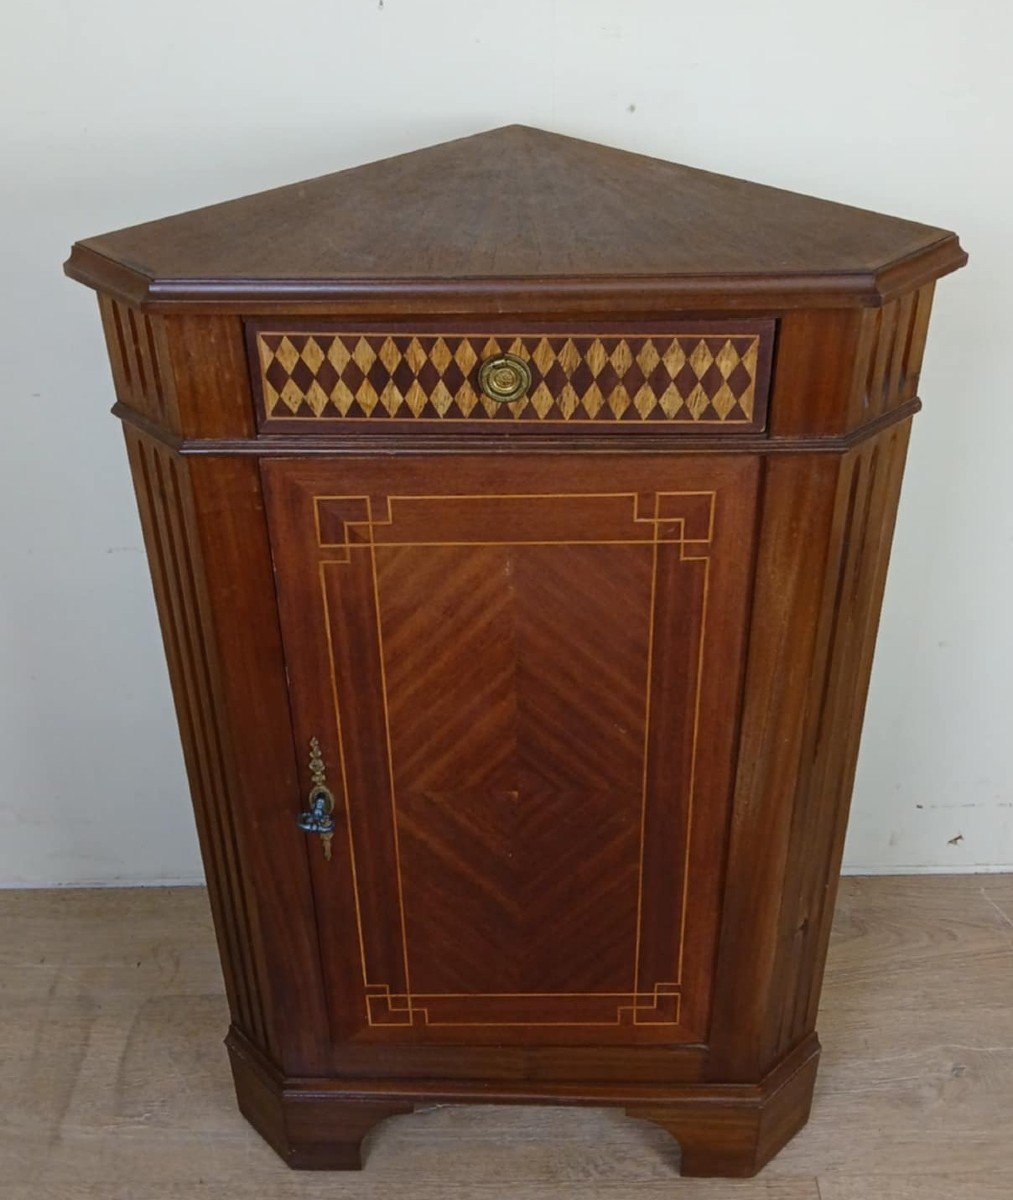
{"x":634,"y":1002}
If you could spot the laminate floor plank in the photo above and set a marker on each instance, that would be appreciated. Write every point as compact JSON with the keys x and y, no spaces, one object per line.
{"x":114,"y":1085}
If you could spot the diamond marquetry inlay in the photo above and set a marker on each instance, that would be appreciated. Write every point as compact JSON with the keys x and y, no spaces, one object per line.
{"x":692,"y":378}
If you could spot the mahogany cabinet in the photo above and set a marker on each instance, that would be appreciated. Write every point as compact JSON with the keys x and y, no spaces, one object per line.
{"x":518,"y":513}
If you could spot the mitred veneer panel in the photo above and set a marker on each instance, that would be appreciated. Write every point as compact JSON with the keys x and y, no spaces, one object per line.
{"x":520,"y":662}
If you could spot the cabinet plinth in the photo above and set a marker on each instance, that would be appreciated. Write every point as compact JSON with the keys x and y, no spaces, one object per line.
{"x":519,"y":566}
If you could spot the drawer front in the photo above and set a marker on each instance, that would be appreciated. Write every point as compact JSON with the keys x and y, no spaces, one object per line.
{"x":705,"y":375}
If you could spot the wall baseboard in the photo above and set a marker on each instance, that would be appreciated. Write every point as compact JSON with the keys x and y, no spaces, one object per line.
{"x":119,"y":881}
{"x":125,"y":881}
{"x":931,"y":869}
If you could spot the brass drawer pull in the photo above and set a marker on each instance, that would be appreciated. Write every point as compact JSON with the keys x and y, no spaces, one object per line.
{"x":318,"y":817}
{"x":504,"y":378}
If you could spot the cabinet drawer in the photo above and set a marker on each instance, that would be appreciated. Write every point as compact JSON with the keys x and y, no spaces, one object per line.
{"x":707,"y":375}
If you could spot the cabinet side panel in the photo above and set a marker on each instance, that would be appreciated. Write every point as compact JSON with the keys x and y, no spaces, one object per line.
{"x":139,"y":357}
{"x":872,"y":479}
{"x":836,"y":370}
{"x":158,"y":478}
{"x":185,"y":375}
{"x":890,"y":359}
{"x":797,"y":524}
{"x":203,"y":526}
{"x":238,"y":596}
{"x":820,"y":586}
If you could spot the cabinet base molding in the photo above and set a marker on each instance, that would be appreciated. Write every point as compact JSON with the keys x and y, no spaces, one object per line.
{"x":727,"y":1130}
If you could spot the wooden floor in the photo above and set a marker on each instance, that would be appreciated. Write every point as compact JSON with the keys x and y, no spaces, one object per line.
{"x":114,"y":1085}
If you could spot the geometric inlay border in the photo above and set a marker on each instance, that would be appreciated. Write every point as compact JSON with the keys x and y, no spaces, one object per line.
{"x":710,"y":377}
{"x":651,"y":520}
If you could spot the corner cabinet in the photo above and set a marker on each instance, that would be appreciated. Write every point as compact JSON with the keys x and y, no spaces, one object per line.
{"x":519,"y":592}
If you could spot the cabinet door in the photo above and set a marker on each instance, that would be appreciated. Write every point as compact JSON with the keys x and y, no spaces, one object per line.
{"x":523,"y":674}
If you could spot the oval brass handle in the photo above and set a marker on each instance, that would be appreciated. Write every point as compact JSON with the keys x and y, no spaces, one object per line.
{"x":504,"y":378}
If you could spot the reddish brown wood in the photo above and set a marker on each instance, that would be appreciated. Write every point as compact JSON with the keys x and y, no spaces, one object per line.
{"x":306,"y":1130}
{"x":736,"y":1138}
{"x":723,"y":1129}
{"x":588,"y":700}
{"x":201,"y":531}
{"x":211,"y":404}
{"x":841,"y":371}
{"x":138,"y":353}
{"x":518,"y":220}
{"x":706,"y":376}
{"x":532,"y":664}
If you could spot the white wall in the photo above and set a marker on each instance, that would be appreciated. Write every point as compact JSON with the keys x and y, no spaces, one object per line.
{"x":115,"y":112}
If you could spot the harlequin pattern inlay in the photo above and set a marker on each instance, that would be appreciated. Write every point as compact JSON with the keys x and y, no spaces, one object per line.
{"x":705,"y":378}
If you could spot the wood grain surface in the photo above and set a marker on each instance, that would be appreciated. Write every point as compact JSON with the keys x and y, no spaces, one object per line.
{"x":545,"y":866}
{"x":518,"y":218}
{"x":590,"y":720}
{"x":421,"y":598}
{"x":109,"y":1001}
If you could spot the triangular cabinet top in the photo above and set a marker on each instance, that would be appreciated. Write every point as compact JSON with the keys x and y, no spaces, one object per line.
{"x":517,"y":219}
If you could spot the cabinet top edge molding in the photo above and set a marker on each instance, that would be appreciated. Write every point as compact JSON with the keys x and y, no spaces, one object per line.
{"x":517,"y":220}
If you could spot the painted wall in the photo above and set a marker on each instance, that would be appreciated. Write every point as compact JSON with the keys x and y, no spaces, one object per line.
{"x":116,"y":112}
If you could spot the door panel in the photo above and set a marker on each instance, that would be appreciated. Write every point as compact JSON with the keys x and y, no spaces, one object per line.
{"x":524,"y":676}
